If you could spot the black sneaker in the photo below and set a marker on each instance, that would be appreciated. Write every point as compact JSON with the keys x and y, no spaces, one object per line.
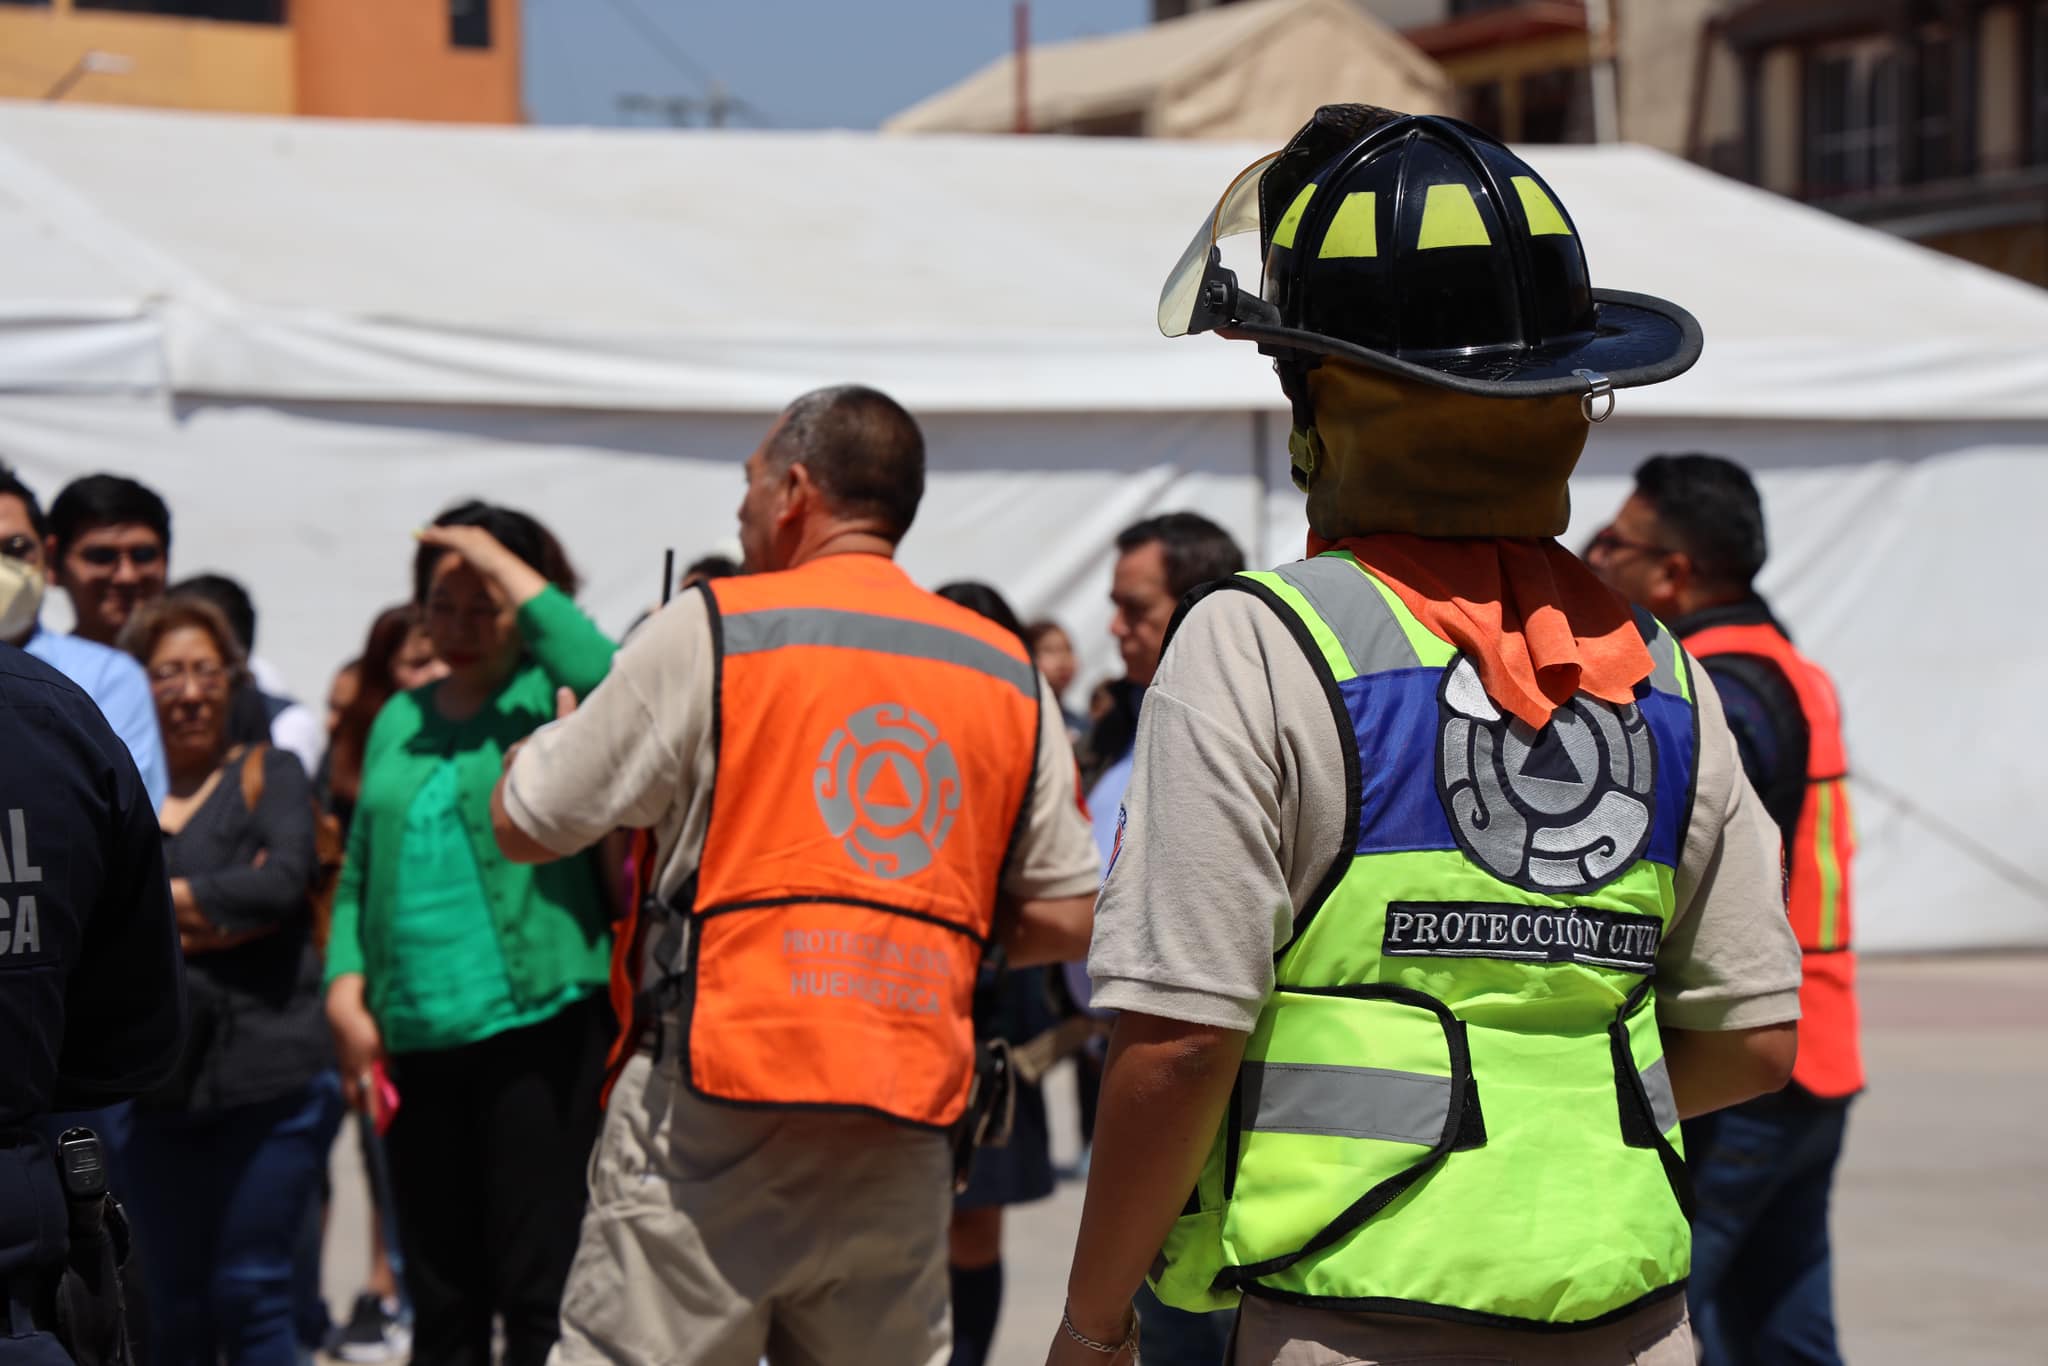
{"x":374,"y":1333}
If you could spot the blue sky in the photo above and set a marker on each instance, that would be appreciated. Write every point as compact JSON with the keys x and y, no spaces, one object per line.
{"x":803,"y":63}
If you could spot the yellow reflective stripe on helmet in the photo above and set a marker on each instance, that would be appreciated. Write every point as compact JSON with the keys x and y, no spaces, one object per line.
{"x":1355,"y":229}
{"x":1451,"y":219}
{"x":1540,"y":209}
{"x":1283,"y":236}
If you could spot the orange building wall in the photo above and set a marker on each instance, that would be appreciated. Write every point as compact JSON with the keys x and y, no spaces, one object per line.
{"x":178,"y":63}
{"x":391,"y":59}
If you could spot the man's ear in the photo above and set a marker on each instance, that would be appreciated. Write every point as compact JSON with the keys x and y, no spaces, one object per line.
{"x":797,"y":493}
{"x":1679,"y":573}
{"x":53,"y":566}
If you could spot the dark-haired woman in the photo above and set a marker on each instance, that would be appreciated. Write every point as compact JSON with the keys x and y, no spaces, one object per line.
{"x":398,"y":656}
{"x":227,"y":1156}
{"x":1015,"y":1005}
{"x":477,"y":984}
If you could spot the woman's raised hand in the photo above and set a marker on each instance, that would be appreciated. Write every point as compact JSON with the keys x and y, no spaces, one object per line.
{"x":519,"y":581}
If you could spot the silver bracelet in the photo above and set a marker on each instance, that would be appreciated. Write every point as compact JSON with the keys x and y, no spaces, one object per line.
{"x":1108,"y":1349}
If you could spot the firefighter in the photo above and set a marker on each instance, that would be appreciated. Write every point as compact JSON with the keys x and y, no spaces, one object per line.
{"x":1441,"y":898}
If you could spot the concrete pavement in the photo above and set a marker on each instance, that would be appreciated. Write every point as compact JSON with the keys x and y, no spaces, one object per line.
{"x":1941,"y":1210}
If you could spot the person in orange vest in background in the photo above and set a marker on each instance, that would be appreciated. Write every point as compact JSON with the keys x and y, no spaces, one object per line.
{"x":851,"y":787}
{"x":1687,"y":545}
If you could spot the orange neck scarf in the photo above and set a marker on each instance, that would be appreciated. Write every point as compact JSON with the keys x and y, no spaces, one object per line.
{"x":1536,"y":623}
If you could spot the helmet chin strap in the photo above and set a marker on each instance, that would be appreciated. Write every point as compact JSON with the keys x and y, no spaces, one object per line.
{"x":1305,"y":447}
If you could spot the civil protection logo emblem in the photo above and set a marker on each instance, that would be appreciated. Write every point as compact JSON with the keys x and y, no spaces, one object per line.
{"x":889,"y":789}
{"x":1563,"y":810}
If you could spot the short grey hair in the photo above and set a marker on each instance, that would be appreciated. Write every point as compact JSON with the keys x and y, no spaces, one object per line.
{"x":863,"y":450}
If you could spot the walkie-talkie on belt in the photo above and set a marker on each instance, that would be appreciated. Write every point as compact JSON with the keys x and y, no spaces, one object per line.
{"x":93,"y":1290}
{"x":82,"y":1167}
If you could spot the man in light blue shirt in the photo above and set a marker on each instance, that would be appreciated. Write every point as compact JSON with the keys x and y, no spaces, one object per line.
{"x":1158,"y":562}
{"x":115,"y":682}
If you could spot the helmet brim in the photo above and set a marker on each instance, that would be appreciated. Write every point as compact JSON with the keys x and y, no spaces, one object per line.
{"x":1637,"y":339}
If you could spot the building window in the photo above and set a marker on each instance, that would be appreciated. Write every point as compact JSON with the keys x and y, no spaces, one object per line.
{"x":2038,"y":84}
{"x":233,"y":11}
{"x":1557,"y":106}
{"x":1934,"y":112}
{"x":469,"y":23}
{"x":1833,"y":126}
{"x":1852,"y":118}
{"x":1480,"y":105}
{"x":1884,"y":121}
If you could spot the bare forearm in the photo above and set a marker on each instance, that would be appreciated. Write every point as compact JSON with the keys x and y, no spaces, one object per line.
{"x":1050,"y":931}
{"x":1711,"y":1071}
{"x":1164,"y":1091}
{"x":514,"y":843}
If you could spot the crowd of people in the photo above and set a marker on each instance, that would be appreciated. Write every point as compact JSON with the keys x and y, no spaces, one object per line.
{"x":692,"y":991}
{"x":352,"y":936}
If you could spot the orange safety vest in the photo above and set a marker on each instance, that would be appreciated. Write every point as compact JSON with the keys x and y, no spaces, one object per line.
{"x":876,"y":746}
{"x":1817,"y":865}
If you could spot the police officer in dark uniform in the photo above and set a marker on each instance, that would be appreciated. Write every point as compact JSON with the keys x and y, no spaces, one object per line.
{"x":92,"y":1002}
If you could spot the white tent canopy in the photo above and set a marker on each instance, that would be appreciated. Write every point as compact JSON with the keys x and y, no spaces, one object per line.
{"x":310,"y":336}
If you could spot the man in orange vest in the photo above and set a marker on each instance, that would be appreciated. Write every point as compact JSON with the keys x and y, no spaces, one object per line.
{"x":1687,"y":545}
{"x":851,"y":788}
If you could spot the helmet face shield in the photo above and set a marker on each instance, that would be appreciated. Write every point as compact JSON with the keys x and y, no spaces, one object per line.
{"x":1182,"y":302}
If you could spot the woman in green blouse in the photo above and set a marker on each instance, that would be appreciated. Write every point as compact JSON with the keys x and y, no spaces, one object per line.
{"x":477,"y":983}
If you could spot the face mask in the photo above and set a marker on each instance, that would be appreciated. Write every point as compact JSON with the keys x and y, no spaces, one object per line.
{"x":21,"y":597}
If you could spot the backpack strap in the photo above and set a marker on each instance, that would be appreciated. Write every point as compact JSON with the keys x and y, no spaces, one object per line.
{"x":252,"y":775}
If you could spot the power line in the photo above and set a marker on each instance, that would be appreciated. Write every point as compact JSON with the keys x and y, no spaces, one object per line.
{"x":1972,"y":848}
{"x":717,"y":97}
{"x":660,"y":41}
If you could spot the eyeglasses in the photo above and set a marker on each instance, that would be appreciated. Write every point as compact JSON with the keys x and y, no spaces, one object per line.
{"x":476,"y":609}
{"x":1607,"y":541}
{"x":18,"y":547}
{"x":107,"y":556}
{"x":170,"y":679}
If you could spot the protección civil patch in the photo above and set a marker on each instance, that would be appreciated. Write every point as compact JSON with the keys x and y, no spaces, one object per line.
{"x":1522,"y":933}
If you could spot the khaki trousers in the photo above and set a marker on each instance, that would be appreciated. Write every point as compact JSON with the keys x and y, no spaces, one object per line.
{"x":717,"y":1235}
{"x":1274,"y":1334}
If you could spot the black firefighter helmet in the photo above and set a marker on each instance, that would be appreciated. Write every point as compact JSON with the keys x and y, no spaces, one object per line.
{"x":1421,"y":246}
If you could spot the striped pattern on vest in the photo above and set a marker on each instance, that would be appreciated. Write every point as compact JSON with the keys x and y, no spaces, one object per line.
{"x":1818,"y":865}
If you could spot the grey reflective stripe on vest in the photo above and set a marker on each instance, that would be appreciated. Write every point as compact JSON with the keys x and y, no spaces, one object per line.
{"x":1346,"y":1102}
{"x":1663,"y":1104}
{"x":749,"y":633}
{"x":1351,"y":606}
{"x":1664,"y":663}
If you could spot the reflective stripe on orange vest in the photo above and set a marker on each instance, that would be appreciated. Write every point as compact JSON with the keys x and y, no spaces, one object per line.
{"x":1817,"y":865}
{"x":875,"y":751}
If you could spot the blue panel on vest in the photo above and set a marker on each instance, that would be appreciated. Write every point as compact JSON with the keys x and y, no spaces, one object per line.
{"x":1396,"y":720}
{"x":1671,"y":724}
{"x":1394,"y":716}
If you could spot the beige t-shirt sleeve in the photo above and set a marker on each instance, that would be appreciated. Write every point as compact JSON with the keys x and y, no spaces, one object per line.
{"x":1235,"y":814}
{"x":1730,"y":960}
{"x":1055,"y":854}
{"x":637,"y":753}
